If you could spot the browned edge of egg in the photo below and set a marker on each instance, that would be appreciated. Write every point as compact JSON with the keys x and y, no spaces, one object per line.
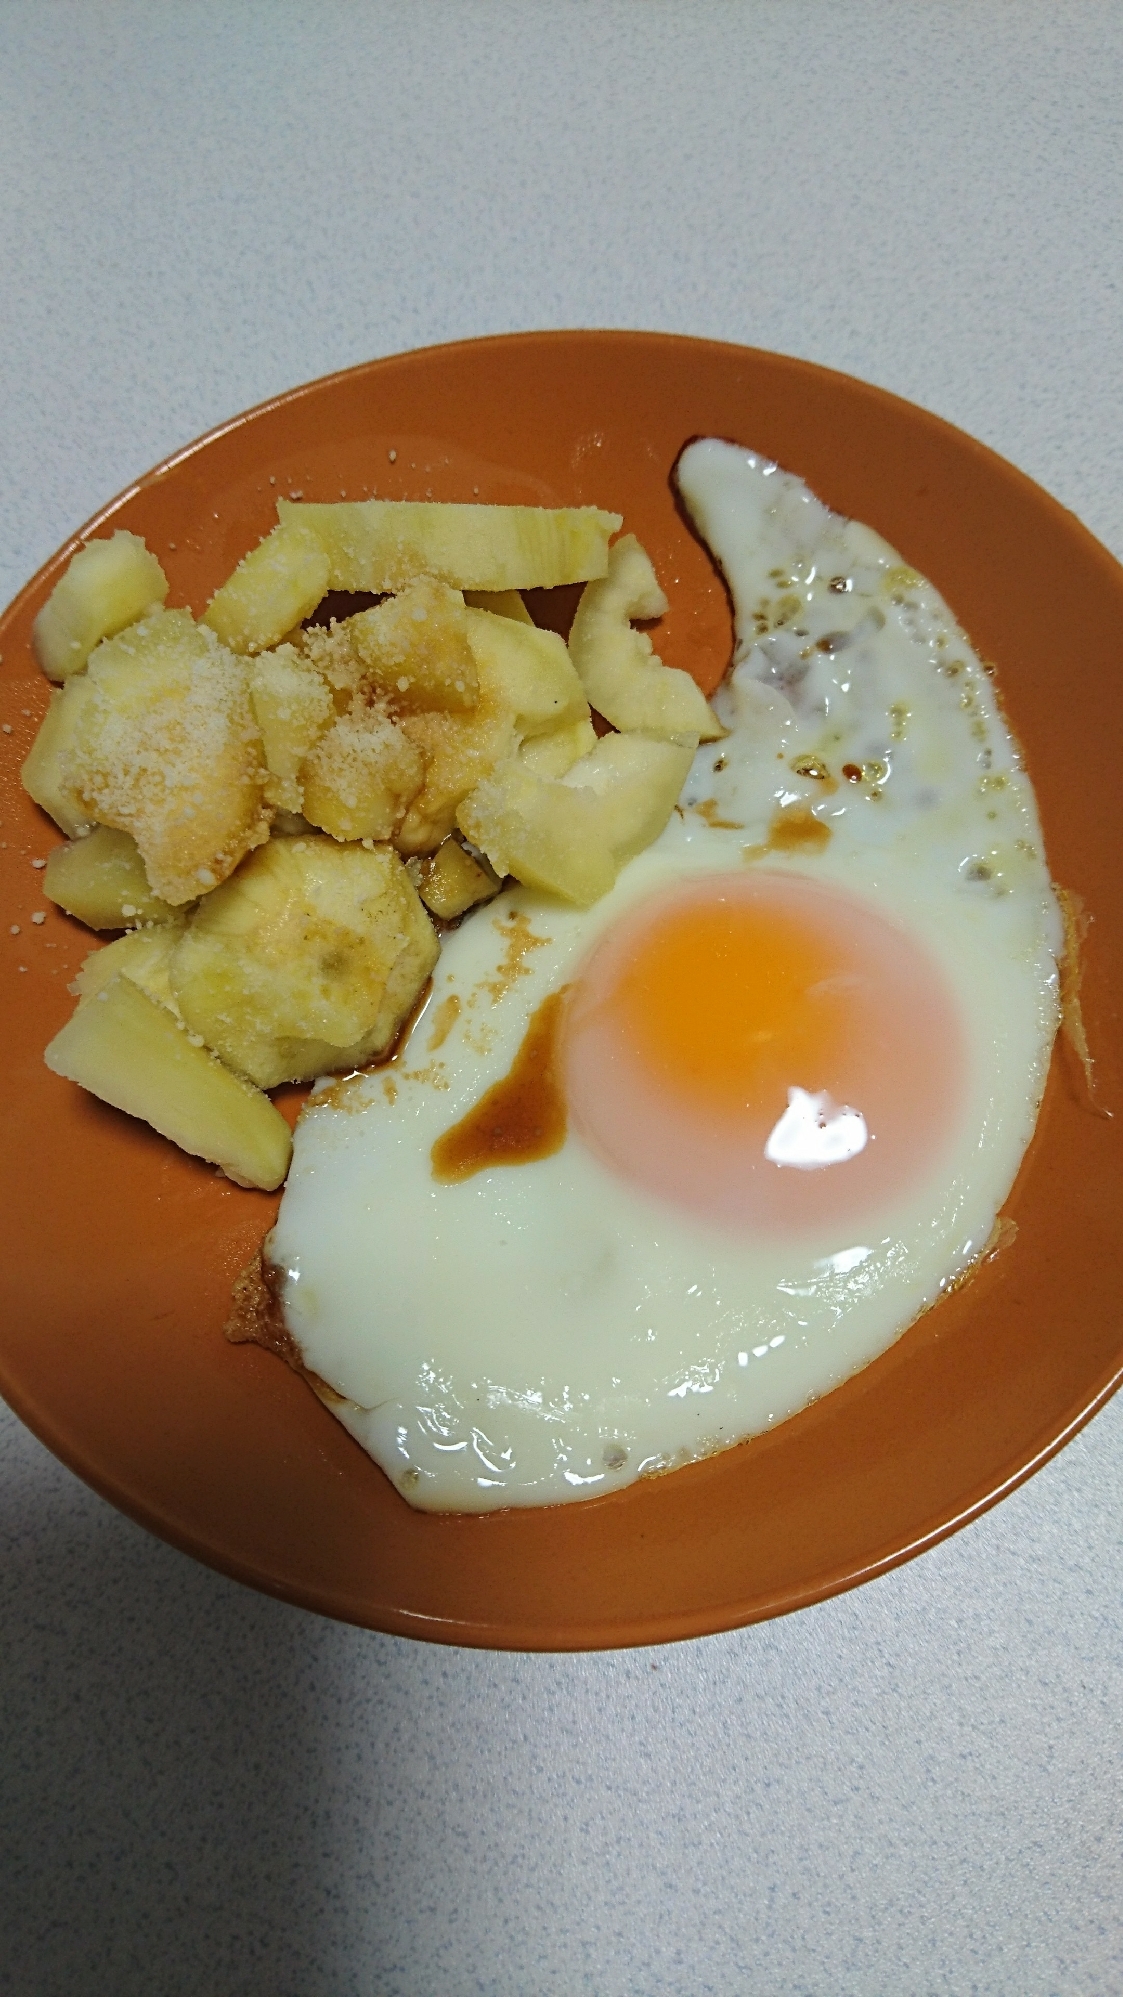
{"x":1003,"y":1234}
{"x":257,"y":1317}
{"x":1082,"y":1070}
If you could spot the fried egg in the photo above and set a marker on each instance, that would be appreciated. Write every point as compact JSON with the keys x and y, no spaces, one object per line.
{"x":768,"y":1095}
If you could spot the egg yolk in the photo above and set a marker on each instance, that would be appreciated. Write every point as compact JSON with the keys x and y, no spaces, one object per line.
{"x":765,"y":1050}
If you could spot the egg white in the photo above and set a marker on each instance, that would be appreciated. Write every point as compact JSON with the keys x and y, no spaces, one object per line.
{"x":547,"y":1332}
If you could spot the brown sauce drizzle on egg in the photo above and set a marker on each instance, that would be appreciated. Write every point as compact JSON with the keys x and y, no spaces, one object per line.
{"x":520,"y":1118}
{"x":444,"y":1019}
{"x":710,"y":810}
{"x":794,"y":830}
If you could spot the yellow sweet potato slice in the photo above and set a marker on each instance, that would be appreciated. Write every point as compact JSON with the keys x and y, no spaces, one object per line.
{"x":361,"y":775}
{"x":547,"y":835}
{"x":636,"y":780}
{"x":383,"y":545}
{"x":553,"y":754}
{"x":293,"y":707}
{"x":131,"y":1052}
{"x":620,"y":671}
{"x":273,"y":588}
{"x":529,"y":670}
{"x":143,"y":956}
{"x":101,"y":880}
{"x":571,"y":835}
{"x":166,"y":747}
{"x":413,"y":649}
{"x":108,"y":585}
{"x":48,"y":775}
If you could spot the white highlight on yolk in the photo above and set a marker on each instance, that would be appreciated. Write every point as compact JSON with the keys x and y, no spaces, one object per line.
{"x":813,"y":1133}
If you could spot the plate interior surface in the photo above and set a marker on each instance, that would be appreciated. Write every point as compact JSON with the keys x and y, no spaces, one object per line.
{"x":121,"y":1252}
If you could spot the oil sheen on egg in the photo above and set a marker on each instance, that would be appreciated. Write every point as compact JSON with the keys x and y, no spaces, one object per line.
{"x":797,"y":1062}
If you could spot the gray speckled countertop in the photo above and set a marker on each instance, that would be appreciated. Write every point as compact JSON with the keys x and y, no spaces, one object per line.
{"x":914,"y":1788}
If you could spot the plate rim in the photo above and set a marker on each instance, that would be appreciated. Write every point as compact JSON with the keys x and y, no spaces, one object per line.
{"x":534,"y":336}
{"x":687,"y":1623}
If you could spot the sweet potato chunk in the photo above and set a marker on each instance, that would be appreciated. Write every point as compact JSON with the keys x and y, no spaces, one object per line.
{"x":413,"y":649}
{"x":622,"y":675}
{"x":307,"y":962}
{"x":143,"y":956}
{"x":452,"y":880}
{"x":293,"y":707}
{"x":273,"y":588}
{"x":382,"y":544}
{"x":457,"y":751}
{"x":167,"y":748}
{"x":527,"y":688}
{"x":571,"y":835}
{"x":361,"y":775}
{"x":101,"y":880}
{"x":132,"y":1052}
{"x":48,"y":775}
{"x":108,"y":585}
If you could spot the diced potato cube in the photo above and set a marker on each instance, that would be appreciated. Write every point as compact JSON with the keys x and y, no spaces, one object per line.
{"x":307,"y":962}
{"x":553,"y":754}
{"x":108,"y":585}
{"x":144,"y":956}
{"x":530,"y":670}
{"x":361,"y":775}
{"x":48,"y":775}
{"x":547,"y":835}
{"x":382,"y":544}
{"x":167,"y":748}
{"x":273,"y":588}
{"x":101,"y":880}
{"x":622,"y":675}
{"x":413,"y":648}
{"x":500,"y":602}
{"x":130,"y":1051}
{"x":293,"y":707}
{"x":452,"y":881}
{"x":637,"y":781}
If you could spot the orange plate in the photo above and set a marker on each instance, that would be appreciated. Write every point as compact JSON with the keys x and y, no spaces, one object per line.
{"x":121,"y":1251}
